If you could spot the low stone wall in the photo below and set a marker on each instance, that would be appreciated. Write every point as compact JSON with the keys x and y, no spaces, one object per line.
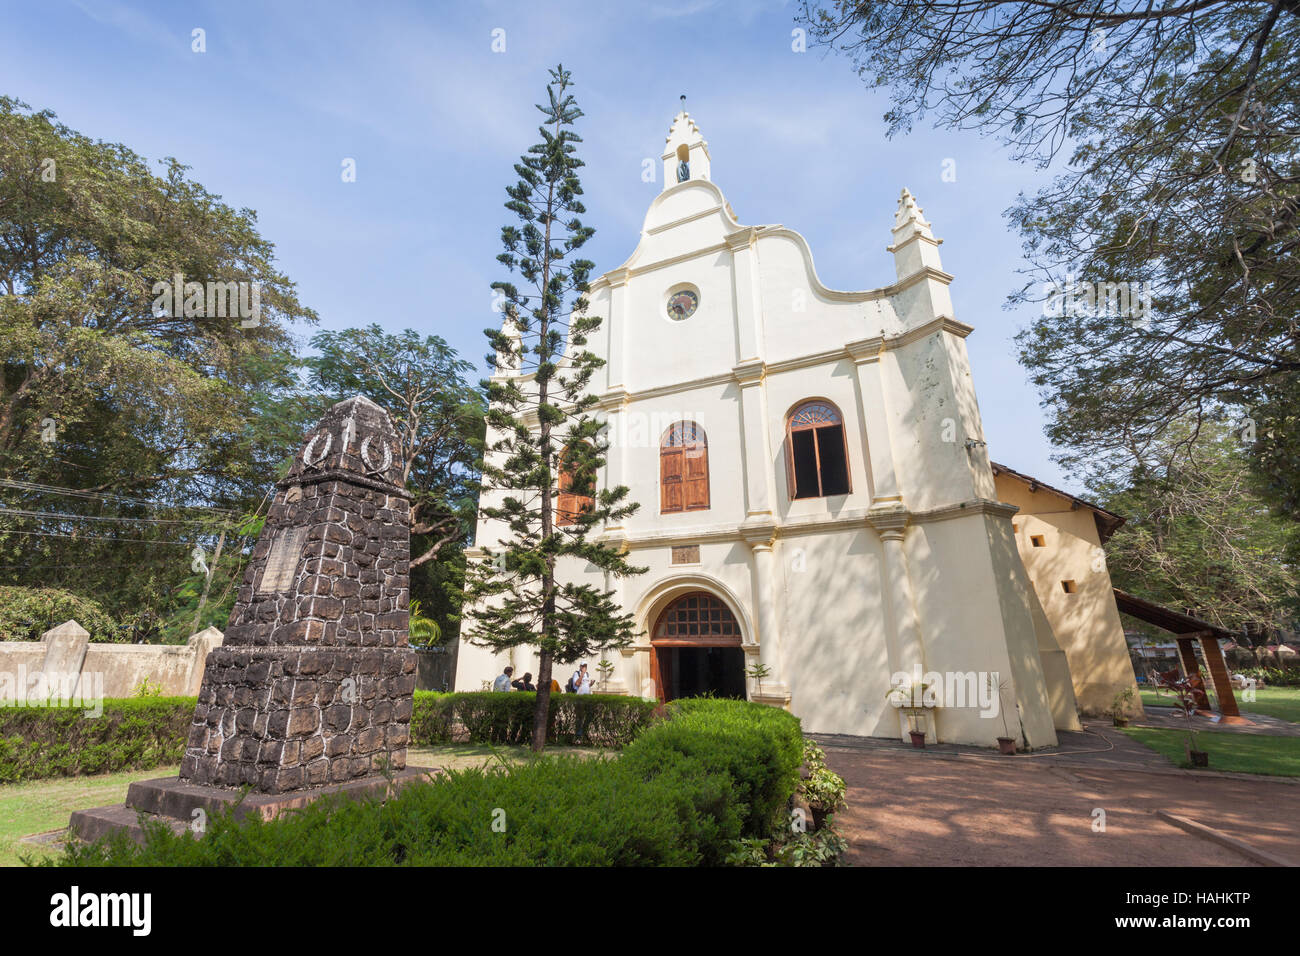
{"x":106,"y":670}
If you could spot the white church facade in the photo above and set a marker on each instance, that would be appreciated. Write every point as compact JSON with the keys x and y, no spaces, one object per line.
{"x":816,"y":496}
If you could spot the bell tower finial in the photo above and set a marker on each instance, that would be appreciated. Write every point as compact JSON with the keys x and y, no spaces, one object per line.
{"x":686,"y":154}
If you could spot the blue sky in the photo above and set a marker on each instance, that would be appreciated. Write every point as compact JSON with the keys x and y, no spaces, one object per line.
{"x":435,"y":121}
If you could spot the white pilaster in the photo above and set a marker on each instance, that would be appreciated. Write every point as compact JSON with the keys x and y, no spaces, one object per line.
{"x":616,"y":364}
{"x":903,"y":635}
{"x":875,"y":422}
{"x":760,"y":481}
{"x":767,"y":594}
{"x":746,"y":295}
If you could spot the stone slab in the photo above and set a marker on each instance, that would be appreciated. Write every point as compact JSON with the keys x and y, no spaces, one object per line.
{"x":173,"y":802}
{"x":175,"y":798}
{"x":100,"y":822}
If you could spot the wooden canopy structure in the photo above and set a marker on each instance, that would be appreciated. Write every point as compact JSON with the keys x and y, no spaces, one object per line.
{"x":1185,"y":630}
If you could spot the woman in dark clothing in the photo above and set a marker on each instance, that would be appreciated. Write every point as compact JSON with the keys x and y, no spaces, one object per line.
{"x":524,"y":683}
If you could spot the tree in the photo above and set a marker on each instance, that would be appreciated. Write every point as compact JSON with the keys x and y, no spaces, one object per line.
{"x":1199,"y":538}
{"x":1183,"y":180}
{"x":119,"y":402}
{"x":420,"y":382}
{"x":540,"y":426}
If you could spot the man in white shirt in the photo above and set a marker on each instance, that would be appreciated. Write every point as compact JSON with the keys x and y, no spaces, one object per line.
{"x":503,"y":680}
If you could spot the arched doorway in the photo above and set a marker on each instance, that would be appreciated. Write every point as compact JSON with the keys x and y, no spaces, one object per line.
{"x":695,"y":649}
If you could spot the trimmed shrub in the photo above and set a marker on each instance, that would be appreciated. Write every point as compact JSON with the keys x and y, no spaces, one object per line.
{"x":131,"y":734}
{"x":665,"y":802}
{"x":485,"y":717}
{"x":759,"y":749}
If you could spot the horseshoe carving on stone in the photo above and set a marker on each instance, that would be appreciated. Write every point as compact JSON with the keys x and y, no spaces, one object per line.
{"x":308,"y":454}
{"x":371,"y":467}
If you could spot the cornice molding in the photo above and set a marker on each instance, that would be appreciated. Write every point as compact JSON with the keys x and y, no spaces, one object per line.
{"x":750,"y":372}
{"x":877,"y":519}
{"x":703,"y":213}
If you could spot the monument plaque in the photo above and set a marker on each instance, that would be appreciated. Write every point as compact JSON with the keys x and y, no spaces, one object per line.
{"x":283,"y":561}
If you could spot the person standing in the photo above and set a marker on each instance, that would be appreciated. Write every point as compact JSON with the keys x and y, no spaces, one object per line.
{"x":524,"y":683}
{"x":503,"y":680}
{"x":575,"y":681}
{"x":582,"y":685}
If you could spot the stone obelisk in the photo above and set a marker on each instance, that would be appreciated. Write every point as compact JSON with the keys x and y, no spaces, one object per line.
{"x":311,"y":692}
{"x":313,"y":683}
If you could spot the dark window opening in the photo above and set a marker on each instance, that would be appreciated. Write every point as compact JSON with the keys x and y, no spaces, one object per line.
{"x":819,"y":464}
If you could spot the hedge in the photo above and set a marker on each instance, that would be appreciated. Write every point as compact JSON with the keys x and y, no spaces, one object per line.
{"x":131,"y":734}
{"x":609,"y":720}
{"x":142,"y":733}
{"x":682,"y":794}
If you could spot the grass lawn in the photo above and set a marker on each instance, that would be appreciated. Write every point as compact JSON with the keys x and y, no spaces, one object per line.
{"x":1241,"y":753}
{"x":1280,"y":702}
{"x":41,"y":805}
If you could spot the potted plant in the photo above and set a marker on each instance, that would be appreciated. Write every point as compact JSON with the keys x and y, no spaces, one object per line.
{"x":1185,"y":698}
{"x":911,"y":700}
{"x":605,"y":668}
{"x":1006,"y":743}
{"x":823,"y":789}
{"x":1120,"y":706}
{"x":758,"y":670}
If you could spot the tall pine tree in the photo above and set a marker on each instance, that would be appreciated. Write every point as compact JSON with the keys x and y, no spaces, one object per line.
{"x":540,"y":427}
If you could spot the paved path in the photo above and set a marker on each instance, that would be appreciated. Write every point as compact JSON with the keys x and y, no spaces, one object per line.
{"x":1170,"y":718}
{"x":926,"y":808}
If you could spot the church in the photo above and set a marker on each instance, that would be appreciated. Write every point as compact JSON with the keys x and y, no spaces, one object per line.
{"x":819,"y":514}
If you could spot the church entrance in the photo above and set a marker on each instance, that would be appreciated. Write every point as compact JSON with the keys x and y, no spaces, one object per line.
{"x":696,"y":649}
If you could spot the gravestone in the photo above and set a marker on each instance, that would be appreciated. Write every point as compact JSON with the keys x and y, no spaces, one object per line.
{"x":311,"y":690}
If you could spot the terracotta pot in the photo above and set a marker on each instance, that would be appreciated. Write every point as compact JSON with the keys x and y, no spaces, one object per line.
{"x":918,"y":739}
{"x":1007,"y":746}
{"x":1199,"y":758}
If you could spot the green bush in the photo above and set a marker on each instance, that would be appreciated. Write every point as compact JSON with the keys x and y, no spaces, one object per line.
{"x":27,"y":613}
{"x":758,"y":748}
{"x":486,"y":717}
{"x":667,"y":801}
{"x":1269,"y":676}
{"x":131,"y":734}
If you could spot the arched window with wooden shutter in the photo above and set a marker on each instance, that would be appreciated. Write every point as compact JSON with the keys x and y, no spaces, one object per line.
{"x":817,"y":460}
{"x":568,"y":504}
{"x":683,"y":469}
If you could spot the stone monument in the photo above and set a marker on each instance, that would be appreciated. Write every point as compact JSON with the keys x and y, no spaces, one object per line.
{"x":312,"y":690}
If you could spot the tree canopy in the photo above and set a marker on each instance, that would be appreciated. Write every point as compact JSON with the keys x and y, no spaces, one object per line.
{"x":1177,"y":123}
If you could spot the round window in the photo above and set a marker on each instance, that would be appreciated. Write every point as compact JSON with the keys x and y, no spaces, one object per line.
{"x":682,"y":304}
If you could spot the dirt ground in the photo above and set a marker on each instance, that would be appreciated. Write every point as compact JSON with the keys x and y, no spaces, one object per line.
{"x":907,"y":808}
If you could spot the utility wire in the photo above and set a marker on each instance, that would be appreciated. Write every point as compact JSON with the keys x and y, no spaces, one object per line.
{"x":103,"y":496}
{"x":65,"y":516}
{"x":92,"y":537}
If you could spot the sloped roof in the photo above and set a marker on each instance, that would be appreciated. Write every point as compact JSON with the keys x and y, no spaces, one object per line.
{"x":1165,"y":618}
{"x":1107,"y":521}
